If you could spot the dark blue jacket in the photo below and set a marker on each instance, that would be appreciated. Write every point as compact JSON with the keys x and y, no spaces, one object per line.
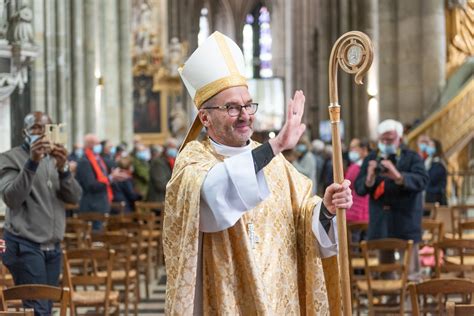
{"x":436,"y":189}
{"x":94,"y":193}
{"x":123,"y":192}
{"x":398,"y":212}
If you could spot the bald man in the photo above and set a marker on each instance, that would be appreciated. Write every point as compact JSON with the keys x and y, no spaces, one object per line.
{"x":35,"y":182}
{"x":94,"y":177}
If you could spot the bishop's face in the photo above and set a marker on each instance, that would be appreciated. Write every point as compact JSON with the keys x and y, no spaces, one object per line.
{"x":234,"y":131}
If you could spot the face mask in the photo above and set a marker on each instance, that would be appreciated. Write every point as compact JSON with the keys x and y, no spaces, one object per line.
{"x":97,"y":149}
{"x":30,"y":139}
{"x":113,"y":150}
{"x":430,"y":150}
{"x":79,"y":152}
{"x":387,"y":149}
{"x":172,"y":152}
{"x":354,"y":156}
{"x":301,"y":148}
{"x":143,"y":155}
{"x":422,"y":147}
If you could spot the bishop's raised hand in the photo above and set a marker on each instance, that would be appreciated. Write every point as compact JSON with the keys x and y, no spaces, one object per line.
{"x":292,"y":130}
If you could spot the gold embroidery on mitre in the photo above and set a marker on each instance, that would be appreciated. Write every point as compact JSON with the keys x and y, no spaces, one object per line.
{"x":226,"y":53}
{"x":213,"y":88}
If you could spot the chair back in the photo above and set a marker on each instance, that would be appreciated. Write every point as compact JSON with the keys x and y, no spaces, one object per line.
{"x":377,"y":282}
{"x":458,"y":257}
{"x":459,"y":214}
{"x":26,"y":312}
{"x":93,"y":261}
{"x":39,"y":292}
{"x":453,"y":309}
{"x":78,"y":233}
{"x":432,"y":294}
{"x":466,"y":229}
{"x":432,"y":208}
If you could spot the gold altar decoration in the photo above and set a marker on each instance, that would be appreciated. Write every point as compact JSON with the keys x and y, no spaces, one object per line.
{"x":459,"y":34}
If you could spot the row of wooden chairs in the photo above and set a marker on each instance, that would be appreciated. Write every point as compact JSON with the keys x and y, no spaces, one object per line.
{"x":458,"y":262}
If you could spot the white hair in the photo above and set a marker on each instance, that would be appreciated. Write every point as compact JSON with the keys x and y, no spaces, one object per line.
{"x":318,"y":145}
{"x":390,"y":125}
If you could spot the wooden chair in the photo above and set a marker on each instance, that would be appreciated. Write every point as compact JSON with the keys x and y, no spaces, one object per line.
{"x":39,"y":292}
{"x":125,"y":270}
{"x":117,"y":208}
{"x":375,"y":285}
{"x":158,"y":209}
{"x":356,"y":260}
{"x":454,"y":309}
{"x":78,"y":233}
{"x":459,"y":214}
{"x":465,"y":229}
{"x":26,"y":312}
{"x":458,"y":258}
{"x":433,"y":294}
{"x":140,"y":248}
{"x":432,"y":208}
{"x":432,"y":232}
{"x":93,"y":217}
{"x":96,"y":289}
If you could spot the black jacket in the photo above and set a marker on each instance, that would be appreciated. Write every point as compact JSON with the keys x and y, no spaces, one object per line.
{"x":398,"y":212}
{"x":94,"y":193}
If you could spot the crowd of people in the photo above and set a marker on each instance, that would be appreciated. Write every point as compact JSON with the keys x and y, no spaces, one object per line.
{"x":233,"y":208}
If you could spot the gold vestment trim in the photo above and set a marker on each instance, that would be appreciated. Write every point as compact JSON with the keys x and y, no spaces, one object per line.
{"x":226,"y":54}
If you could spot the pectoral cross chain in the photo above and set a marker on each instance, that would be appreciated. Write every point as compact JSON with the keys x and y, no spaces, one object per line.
{"x":252,"y":236}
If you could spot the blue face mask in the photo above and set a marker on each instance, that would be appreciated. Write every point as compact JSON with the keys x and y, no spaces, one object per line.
{"x":113,"y":150}
{"x":422,"y":147}
{"x":354,"y":156}
{"x":144,"y":155}
{"x":97,"y":149}
{"x":172,"y":152}
{"x":301,"y":148}
{"x":79,"y":152}
{"x":430,"y":150}
{"x":387,"y":149}
{"x":30,"y":139}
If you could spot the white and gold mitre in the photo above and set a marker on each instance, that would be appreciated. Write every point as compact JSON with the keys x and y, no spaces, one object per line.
{"x":217,"y":64}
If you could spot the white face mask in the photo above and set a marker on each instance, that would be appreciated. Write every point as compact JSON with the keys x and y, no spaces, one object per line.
{"x":354,"y":156}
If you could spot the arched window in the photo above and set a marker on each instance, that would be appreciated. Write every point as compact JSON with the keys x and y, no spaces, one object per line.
{"x":257,"y":43}
{"x":203,"y":26}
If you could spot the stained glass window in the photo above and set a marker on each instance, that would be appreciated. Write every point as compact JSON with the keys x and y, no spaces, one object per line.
{"x":257,"y":44}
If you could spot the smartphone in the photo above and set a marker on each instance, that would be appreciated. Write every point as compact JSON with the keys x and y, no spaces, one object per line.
{"x":56,"y":134}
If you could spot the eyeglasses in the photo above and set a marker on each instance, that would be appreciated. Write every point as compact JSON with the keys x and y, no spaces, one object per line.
{"x":235,"y":109}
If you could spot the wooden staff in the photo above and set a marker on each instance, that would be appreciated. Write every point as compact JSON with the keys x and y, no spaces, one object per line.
{"x":354,"y":52}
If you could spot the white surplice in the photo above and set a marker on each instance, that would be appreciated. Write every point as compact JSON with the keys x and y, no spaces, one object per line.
{"x":232,"y":188}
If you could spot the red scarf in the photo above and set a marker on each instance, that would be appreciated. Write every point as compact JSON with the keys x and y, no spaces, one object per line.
{"x":100,"y":176}
{"x":171,"y":162}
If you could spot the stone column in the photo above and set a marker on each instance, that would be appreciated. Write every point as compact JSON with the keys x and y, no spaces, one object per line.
{"x":50,"y":47}
{"x":90,"y":30}
{"x":388,"y":59}
{"x":38,"y":68}
{"x":366,"y":116}
{"x":125,"y":71}
{"x":62,"y":66}
{"x":110,"y":71}
{"x":433,"y":51}
{"x":77,"y":65}
{"x":409,"y":51}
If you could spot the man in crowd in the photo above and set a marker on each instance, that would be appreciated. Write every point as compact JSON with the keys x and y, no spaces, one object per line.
{"x":141,"y":169}
{"x":394,"y":177}
{"x":160,"y":171}
{"x":95,"y":180}
{"x":35,"y":182}
{"x":242,"y":232}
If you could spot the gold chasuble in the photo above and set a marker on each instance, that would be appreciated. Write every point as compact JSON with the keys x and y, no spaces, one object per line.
{"x":275,"y":271}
